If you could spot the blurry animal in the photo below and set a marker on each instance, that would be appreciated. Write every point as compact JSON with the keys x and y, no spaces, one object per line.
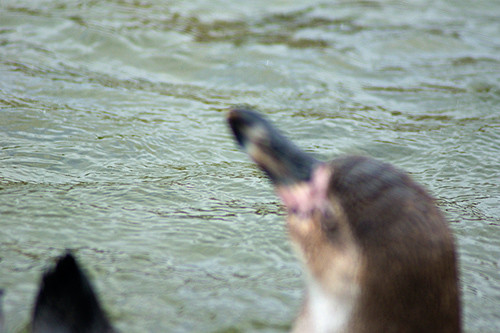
{"x":66,"y":302}
{"x":377,"y":252}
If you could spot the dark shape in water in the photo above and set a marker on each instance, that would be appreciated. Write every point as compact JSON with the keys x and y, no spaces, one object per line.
{"x":2,"y":317}
{"x":67,"y":303}
{"x":379,"y":256}
{"x":270,"y":143}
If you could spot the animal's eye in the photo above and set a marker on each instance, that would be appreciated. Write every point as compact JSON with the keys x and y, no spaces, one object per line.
{"x":329,"y":220}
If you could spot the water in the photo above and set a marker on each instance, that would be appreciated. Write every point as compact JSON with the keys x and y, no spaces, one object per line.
{"x":114,"y":144}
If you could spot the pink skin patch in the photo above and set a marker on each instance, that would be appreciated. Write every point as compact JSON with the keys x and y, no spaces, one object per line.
{"x":304,"y":197}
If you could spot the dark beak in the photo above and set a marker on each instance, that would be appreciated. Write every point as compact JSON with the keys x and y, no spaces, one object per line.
{"x":279,"y":158}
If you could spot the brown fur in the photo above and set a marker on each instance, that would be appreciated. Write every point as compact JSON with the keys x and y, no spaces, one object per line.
{"x":375,"y":243}
{"x":384,"y":232}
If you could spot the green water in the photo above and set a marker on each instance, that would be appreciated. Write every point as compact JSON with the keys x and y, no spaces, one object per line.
{"x":113,"y":143}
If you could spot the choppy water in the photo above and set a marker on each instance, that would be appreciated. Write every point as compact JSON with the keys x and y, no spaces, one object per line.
{"x":113,"y":143}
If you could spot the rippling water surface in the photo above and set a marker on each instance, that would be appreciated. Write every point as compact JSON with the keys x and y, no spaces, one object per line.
{"x":113,"y":143}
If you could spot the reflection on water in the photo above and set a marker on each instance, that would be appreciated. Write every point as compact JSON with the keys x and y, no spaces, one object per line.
{"x":113,"y":143}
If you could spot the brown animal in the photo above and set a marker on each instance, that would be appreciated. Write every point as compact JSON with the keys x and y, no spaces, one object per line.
{"x":378,"y":254}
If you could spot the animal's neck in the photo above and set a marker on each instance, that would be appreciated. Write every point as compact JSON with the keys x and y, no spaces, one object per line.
{"x":328,"y":313}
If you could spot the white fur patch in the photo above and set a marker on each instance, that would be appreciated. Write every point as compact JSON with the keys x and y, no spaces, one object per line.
{"x":328,"y":314}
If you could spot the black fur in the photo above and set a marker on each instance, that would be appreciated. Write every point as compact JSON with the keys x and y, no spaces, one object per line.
{"x":67,"y":303}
